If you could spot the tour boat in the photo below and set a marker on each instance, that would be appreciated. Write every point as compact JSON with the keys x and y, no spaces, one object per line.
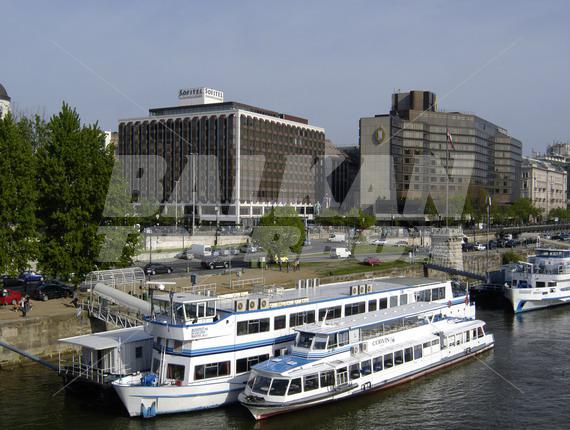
{"x":334,"y":360}
{"x":204,"y":346}
{"x":541,"y":282}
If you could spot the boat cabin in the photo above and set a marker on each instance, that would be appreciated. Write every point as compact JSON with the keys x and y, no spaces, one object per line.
{"x":182,"y":309}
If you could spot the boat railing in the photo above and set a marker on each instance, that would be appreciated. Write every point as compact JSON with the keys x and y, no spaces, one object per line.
{"x":93,"y":372}
{"x":366,"y":334}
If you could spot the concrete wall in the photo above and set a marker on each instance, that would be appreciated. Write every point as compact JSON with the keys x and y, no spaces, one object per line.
{"x":39,"y":335}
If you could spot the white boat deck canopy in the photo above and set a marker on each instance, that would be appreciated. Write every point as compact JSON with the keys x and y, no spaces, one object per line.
{"x":370,"y":318}
{"x":108,"y":339}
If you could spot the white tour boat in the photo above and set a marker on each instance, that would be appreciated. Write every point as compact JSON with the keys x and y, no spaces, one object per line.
{"x":205,"y":346}
{"x":334,"y":360}
{"x":541,"y":282}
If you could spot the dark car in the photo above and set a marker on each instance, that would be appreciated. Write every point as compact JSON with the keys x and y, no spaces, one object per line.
{"x":30,"y":276}
{"x":465,"y":247}
{"x":156,"y":268}
{"x":52,"y":290}
{"x":214,"y":263}
{"x":492,"y":244}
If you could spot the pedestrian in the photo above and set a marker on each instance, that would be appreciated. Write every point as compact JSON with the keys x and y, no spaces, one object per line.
{"x":287,"y":266}
{"x":280,"y":266}
{"x":75,"y":298}
{"x":298,"y":264}
{"x":23,"y":306}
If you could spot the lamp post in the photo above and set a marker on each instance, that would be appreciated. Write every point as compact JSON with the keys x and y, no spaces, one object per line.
{"x":217,"y":209}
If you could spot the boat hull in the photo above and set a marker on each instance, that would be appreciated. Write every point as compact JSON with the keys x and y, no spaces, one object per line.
{"x":261,"y":412}
{"x":523,"y":303}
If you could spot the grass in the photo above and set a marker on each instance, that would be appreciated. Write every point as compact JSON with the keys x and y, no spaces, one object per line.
{"x":372,"y":249}
{"x":346,"y":267}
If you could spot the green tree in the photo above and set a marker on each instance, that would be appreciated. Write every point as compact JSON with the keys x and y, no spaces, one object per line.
{"x":18,"y":243}
{"x":280,"y":231}
{"x":511,"y":257}
{"x":74,"y":169}
{"x":430,"y":208}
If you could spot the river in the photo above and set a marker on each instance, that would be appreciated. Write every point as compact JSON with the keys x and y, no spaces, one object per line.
{"x":523,"y":383}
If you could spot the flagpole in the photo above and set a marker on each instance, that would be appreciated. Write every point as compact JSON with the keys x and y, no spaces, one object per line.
{"x":446,"y":173}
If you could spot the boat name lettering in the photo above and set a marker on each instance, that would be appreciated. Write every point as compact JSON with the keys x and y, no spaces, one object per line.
{"x":200,"y":332}
{"x":383,"y":341}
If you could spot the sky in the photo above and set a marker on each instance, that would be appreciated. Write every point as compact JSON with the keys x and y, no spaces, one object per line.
{"x":329,"y":61}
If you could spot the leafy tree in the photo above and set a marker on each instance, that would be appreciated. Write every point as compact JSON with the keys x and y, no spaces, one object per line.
{"x":18,"y":243}
{"x":74,"y":168}
{"x":430,"y":208}
{"x":511,"y":257}
{"x":279,"y":231}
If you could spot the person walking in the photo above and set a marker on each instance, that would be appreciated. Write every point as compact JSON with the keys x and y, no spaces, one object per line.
{"x":75,"y":299}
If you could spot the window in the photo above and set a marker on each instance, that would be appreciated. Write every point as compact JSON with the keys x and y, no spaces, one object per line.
{"x":372,"y":305}
{"x":403,"y":299}
{"x":279,"y":322}
{"x":408,"y":354}
{"x":305,"y":340}
{"x":418,"y":352}
{"x":245,"y":364}
{"x":301,"y":318}
{"x":175,"y":371}
{"x":320,"y":342}
{"x":480,"y":331}
{"x":295,"y":387}
{"x":342,"y":338}
{"x":311,"y":382}
{"x":138,"y":352}
{"x":377,"y":364}
{"x":252,"y":326}
{"x":212,"y":370}
{"x":331,"y":313}
{"x":423,"y":296}
{"x":388,"y":361}
{"x":383,"y":303}
{"x":261,"y":384}
{"x":393,"y":301}
{"x":327,"y":378}
{"x":365,"y":368}
{"x":155,"y":365}
{"x":438,"y":293}
{"x":279,"y":387}
{"x":354,"y":371}
{"x":398,"y":358}
{"x":354,"y":308}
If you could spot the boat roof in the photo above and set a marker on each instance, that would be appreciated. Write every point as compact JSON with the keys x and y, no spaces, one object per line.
{"x":365,"y":319}
{"x":108,"y":339}
{"x":283,"y":297}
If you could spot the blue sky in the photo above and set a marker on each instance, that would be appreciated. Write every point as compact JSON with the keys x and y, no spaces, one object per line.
{"x":331,"y":62}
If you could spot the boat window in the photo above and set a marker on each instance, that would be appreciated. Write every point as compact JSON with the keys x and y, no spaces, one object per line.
{"x":301,"y":318}
{"x":423,"y":296}
{"x":332,"y":341}
{"x":398,"y":357}
{"x":342,"y":338}
{"x":354,"y":371}
{"x":377,"y":364}
{"x":426,"y":345}
{"x":320,"y":342}
{"x":261,"y":384}
{"x":327,"y":378}
{"x":388,"y":361}
{"x":372,"y":305}
{"x":365,"y":368}
{"x":383,"y":303}
{"x":279,"y":387}
{"x":175,"y":371}
{"x":245,"y":364}
{"x":295,"y":387}
{"x":354,"y":308}
{"x":210,"y":312}
{"x":155,"y":365}
{"x":305,"y":340}
{"x":212,"y":370}
{"x":311,"y":382}
{"x":393,"y":301}
{"x":403,"y":299}
{"x":251,"y":381}
{"x":252,"y":326}
{"x":467,"y":335}
{"x":418,"y":352}
{"x":331,"y":313}
{"x":434,"y":342}
{"x":480,"y":331}
{"x":459,"y":338}
{"x":474,"y":333}
{"x":190,"y":311}
{"x":539,"y":284}
{"x":451,"y":340}
{"x":408,"y":354}
{"x":279,"y":322}
{"x":438,"y":293}
{"x":552,"y":284}
{"x":179,"y":312}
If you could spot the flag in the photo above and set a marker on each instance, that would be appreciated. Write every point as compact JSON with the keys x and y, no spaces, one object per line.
{"x":450,"y":139}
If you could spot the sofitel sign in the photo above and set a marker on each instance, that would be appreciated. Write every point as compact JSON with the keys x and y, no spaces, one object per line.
{"x":189,"y":93}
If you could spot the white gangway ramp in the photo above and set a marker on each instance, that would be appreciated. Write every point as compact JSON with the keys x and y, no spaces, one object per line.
{"x":121,"y":298}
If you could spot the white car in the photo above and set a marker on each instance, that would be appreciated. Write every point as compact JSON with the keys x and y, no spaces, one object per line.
{"x":378,"y":242}
{"x":480,"y":247}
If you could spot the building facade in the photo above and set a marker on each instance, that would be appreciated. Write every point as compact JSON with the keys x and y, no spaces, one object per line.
{"x":246,"y":159}
{"x":4,"y":102}
{"x":341,"y":169}
{"x":558,"y":154}
{"x":544,"y":183}
{"x":406,"y":156}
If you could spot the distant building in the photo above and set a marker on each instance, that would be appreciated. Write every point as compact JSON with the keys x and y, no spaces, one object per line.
{"x":5,"y":100}
{"x":341,"y":169}
{"x":544,"y":183}
{"x":405,"y":155}
{"x":559,"y":154}
{"x":248,"y":159}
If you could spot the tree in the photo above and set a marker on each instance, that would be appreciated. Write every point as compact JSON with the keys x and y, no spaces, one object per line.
{"x":279,"y":231}
{"x":74,"y":168}
{"x":430,"y":208}
{"x":18,"y":243}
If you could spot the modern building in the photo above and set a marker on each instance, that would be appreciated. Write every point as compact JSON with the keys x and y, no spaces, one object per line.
{"x":4,"y":102}
{"x":341,"y":169}
{"x":406,"y":153}
{"x":544,"y":183}
{"x":247,"y":159}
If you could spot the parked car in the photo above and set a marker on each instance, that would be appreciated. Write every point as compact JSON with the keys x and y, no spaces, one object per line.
{"x":377,"y":242}
{"x":185,"y":255}
{"x":479,"y":246}
{"x":340,"y":253}
{"x":30,"y":276}
{"x":214,"y":263}
{"x":402,"y":243}
{"x":8,"y":297}
{"x":156,"y":268}
{"x":492,"y":244}
{"x":248,"y":249}
{"x":466,"y":247}
{"x":14,"y":283}
{"x":52,"y":290}
{"x":372,"y":261}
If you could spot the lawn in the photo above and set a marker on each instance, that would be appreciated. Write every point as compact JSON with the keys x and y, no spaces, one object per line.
{"x":345,"y":267}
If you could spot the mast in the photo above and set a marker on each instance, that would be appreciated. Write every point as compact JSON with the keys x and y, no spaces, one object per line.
{"x":446,"y":172}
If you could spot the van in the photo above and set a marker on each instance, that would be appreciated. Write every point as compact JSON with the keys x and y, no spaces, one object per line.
{"x":337,"y":237}
{"x":340,"y":253}
{"x":201,"y":250}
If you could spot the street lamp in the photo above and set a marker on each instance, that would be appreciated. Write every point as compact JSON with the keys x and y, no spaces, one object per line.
{"x":217,"y":209}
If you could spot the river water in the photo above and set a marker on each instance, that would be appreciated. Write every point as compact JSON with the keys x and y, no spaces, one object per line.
{"x":523,"y":383}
